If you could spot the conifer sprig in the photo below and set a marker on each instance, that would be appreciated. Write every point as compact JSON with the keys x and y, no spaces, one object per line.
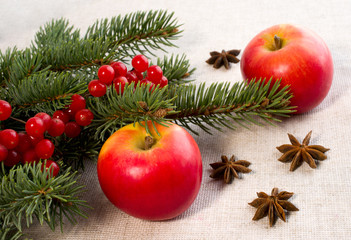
{"x":241,"y":103}
{"x":9,"y":231}
{"x":118,"y":38}
{"x":176,"y":68}
{"x":6,"y":59}
{"x":74,"y":152}
{"x":51,"y":32}
{"x":24,"y":64}
{"x":135,"y":105}
{"x":28,"y":191}
{"x":46,"y":91}
{"x":216,"y":106}
{"x":59,"y":47}
{"x":135,"y":33}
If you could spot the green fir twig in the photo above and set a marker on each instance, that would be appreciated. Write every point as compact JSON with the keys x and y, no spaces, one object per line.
{"x":230,"y":105}
{"x":176,"y":68}
{"x":28,"y":191}
{"x":46,"y":91}
{"x":216,"y":106}
{"x":135,"y":33}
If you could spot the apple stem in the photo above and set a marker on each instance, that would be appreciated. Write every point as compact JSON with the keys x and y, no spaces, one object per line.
{"x":277,"y":42}
{"x":149,"y":141}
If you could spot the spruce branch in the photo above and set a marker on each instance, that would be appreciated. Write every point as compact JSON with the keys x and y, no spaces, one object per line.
{"x":6,"y":60}
{"x":139,"y":32}
{"x":24,"y":64}
{"x":73,"y":152}
{"x":63,"y":49}
{"x":121,"y":37}
{"x":77,"y":54}
{"x":9,"y":231}
{"x":28,"y":191}
{"x":46,"y":91}
{"x":59,"y":47}
{"x":176,"y":68}
{"x":51,"y":32}
{"x":242,"y":103}
{"x":216,"y":106}
{"x":135,"y":105}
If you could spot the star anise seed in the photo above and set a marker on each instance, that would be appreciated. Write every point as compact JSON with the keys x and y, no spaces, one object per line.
{"x":228,"y":169}
{"x":223,"y":58}
{"x":273,"y":205}
{"x":298,"y":153}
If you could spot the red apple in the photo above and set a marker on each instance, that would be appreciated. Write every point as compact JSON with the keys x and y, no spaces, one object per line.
{"x":297,"y":56}
{"x":153,"y":180}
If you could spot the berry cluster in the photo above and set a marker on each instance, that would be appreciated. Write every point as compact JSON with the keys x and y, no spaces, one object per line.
{"x":31,"y":146}
{"x":71,"y":119}
{"x":117,"y":74}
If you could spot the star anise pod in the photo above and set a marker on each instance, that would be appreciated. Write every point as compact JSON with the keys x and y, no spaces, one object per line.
{"x":228,"y":169}
{"x":223,"y":58}
{"x":298,"y":153}
{"x":273,"y":205}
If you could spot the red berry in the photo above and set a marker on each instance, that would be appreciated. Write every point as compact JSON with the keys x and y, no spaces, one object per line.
{"x":12,"y":159}
{"x":9,"y":138}
{"x":35,"y":127}
{"x":72,"y":129}
{"x":78,"y":103}
{"x":29,"y":156}
{"x":84,"y":117}
{"x":97,"y":88}
{"x":139,"y":75}
{"x":44,"y":149}
{"x":3,"y":152}
{"x":131,"y":77}
{"x":34,"y":140}
{"x":5,"y":110}
{"x":69,"y":112}
{"x":52,"y":167}
{"x":61,"y":115}
{"x":163,"y":82}
{"x":120,"y":69}
{"x":145,"y":81}
{"x":154,"y":74}
{"x":106,"y":74}
{"x":140,"y":63}
{"x":45,"y":117}
{"x":24,"y":142}
{"x":57,"y":127}
{"x":120,"y":83}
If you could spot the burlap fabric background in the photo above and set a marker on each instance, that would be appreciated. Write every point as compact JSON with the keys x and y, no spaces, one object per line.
{"x":221,"y":212}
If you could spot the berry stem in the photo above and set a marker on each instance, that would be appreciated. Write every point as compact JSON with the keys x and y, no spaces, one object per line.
{"x":18,"y":120}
